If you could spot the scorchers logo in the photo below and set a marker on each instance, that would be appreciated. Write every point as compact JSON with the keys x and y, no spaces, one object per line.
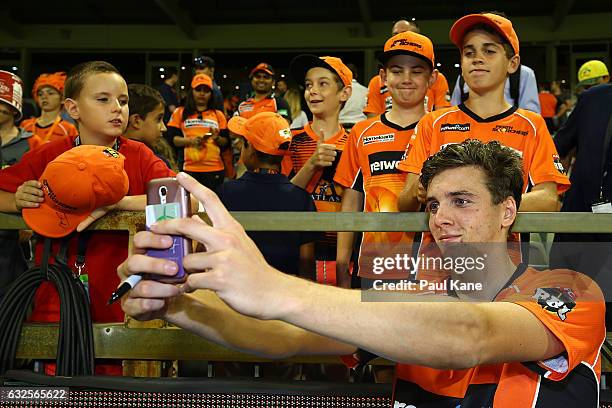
{"x":384,"y":162}
{"x":556,"y":300}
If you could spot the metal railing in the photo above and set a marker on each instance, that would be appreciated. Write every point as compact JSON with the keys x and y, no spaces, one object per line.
{"x":124,"y":341}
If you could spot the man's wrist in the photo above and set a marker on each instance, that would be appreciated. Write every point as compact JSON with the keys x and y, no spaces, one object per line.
{"x":288,"y":295}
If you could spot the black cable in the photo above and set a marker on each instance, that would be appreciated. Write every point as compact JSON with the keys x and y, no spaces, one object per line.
{"x":75,"y":348}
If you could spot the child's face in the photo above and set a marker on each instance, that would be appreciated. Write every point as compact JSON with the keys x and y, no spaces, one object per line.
{"x":407,"y":78}
{"x":101,"y":109}
{"x":153,"y":125}
{"x":321,"y":92}
{"x":49,"y":98}
{"x":484,"y":64}
{"x":201,"y":95}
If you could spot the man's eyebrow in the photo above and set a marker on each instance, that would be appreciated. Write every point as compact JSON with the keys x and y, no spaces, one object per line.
{"x":452,"y":194}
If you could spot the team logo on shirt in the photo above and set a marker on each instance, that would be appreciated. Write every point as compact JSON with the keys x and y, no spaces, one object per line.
{"x":509,"y":129}
{"x":384,"y":162}
{"x":557,"y":163}
{"x":389,"y":137}
{"x":556,"y":300}
{"x":455,"y":127}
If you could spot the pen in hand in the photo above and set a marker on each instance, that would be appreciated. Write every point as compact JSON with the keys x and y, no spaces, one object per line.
{"x":124,"y":288}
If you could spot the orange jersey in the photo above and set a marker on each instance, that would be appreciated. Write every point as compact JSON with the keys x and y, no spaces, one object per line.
{"x":369,"y":164}
{"x":58,"y":129}
{"x":326,"y":194}
{"x":380,"y":100}
{"x":208,"y":157}
{"x":548,"y":104}
{"x":522,"y":130}
{"x":572,"y":307}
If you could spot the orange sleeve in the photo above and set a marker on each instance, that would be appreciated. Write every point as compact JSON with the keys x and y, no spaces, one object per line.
{"x":176,"y":118}
{"x":71,"y":129}
{"x":546,"y":165}
{"x":441,"y":95}
{"x":419,"y":147}
{"x":28,"y":125}
{"x":221,"y":119}
{"x":572,"y":307}
{"x":348,"y":167}
{"x":375,"y":103}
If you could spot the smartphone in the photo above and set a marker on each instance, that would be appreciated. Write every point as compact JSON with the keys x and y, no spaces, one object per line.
{"x":167,"y":199}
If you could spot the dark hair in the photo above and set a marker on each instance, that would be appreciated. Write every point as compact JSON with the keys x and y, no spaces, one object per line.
{"x":203,"y":62}
{"x":265,"y":158}
{"x":143,"y":99}
{"x":487,"y":28}
{"x":78,"y":74}
{"x":190,"y":105}
{"x":169,"y":71}
{"x":502,"y":166}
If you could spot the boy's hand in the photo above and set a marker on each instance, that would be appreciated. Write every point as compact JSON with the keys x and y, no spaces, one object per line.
{"x":29,"y":195}
{"x":150,"y":298}
{"x":95,"y":215}
{"x":324,"y":156}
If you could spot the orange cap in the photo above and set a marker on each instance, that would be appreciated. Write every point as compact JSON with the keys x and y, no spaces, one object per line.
{"x":55,"y":80}
{"x":268,"y":132}
{"x":201,"y":79}
{"x":500,"y":24}
{"x":262,"y":66}
{"x":411,"y":44}
{"x":74,"y":184}
{"x":300,"y":65}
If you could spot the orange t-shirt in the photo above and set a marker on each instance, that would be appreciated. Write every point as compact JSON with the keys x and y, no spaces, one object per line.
{"x":548,"y":104}
{"x":251,"y":107}
{"x":379,"y":98}
{"x":522,"y":130}
{"x":369,"y":164}
{"x":208,"y":157}
{"x":58,"y":129}
{"x":572,"y":307}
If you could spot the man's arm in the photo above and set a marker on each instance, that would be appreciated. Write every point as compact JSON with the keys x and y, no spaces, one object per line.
{"x":542,"y":197}
{"x":408,"y":200}
{"x":528,"y":90}
{"x":351,"y":200}
{"x":469,"y":333}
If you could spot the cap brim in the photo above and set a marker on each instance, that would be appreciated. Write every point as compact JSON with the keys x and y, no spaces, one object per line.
{"x":236,"y":125}
{"x":386,"y":56}
{"x":267,"y":71}
{"x":51,"y":223}
{"x":587,"y":82}
{"x":458,"y":29}
{"x":300,"y":65}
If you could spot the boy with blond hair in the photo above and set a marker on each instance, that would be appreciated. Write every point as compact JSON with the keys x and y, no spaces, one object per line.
{"x":97,"y":99}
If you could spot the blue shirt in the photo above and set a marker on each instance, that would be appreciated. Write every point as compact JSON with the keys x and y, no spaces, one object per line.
{"x":271,"y":192}
{"x":528,"y":91}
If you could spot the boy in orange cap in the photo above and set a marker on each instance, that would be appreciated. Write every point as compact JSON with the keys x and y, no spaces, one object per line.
{"x":48,"y":93}
{"x":97,"y":99}
{"x":380,"y":99}
{"x":489,"y":50}
{"x":376,"y":145}
{"x":315,"y":149}
{"x":263,"y":188}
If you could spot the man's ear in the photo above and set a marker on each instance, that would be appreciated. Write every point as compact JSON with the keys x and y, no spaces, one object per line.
{"x":135,"y":121}
{"x":514,"y":64}
{"x":72,"y":108}
{"x":510,"y":211}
